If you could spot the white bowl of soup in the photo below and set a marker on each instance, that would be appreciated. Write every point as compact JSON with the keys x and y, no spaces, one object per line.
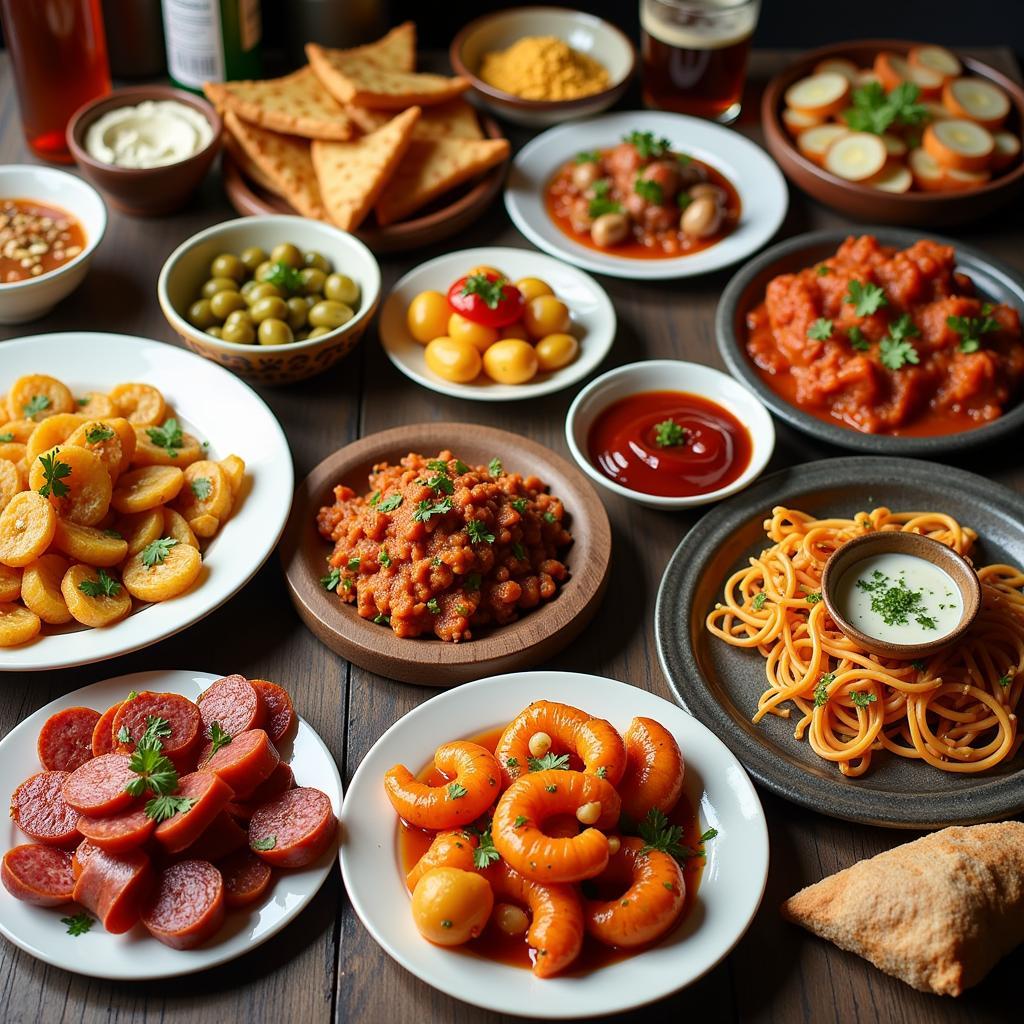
{"x":50,"y":225}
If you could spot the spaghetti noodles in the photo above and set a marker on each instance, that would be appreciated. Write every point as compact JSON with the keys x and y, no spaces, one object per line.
{"x":957,"y":711}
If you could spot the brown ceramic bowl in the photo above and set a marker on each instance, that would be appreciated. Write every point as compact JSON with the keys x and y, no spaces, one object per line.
{"x":889,"y":541}
{"x":427,"y":661}
{"x":862,"y":202}
{"x":153,"y":191}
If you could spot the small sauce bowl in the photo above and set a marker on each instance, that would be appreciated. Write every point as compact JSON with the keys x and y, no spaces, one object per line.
{"x":913,"y":546}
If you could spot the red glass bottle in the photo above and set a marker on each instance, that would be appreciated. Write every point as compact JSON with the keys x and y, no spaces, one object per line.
{"x":59,"y":54}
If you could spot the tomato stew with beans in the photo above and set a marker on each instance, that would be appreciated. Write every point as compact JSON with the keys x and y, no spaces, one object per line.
{"x":35,"y":239}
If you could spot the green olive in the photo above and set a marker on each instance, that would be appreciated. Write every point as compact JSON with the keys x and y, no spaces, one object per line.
{"x":330,"y":314}
{"x":227,"y":264}
{"x":266,"y":267}
{"x":252,"y":256}
{"x":298,"y":313}
{"x":240,"y":333}
{"x":342,"y":289}
{"x":312,"y":300}
{"x":314,"y":259}
{"x":312,"y":280}
{"x":286,"y":253}
{"x":248,"y":287}
{"x":219,"y":284}
{"x":224,"y":303}
{"x":214,"y":332}
{"x":239,"y":316}
{"x":275,"y":332}
{"x":317,"y":332}
{"x":263,"y":290}
{"x":269,"y":308}
{"x":200,"y":314}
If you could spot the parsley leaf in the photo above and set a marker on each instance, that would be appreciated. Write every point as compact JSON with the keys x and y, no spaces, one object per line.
{"x":153,"y":771}
{"x":441,"y":483}
{"x":156,"y":551}
{"x":79,"y":924}
{"x":54,"y":474}
{"x":970,"y":329}
{"x":669,"y":434}
{"x":6,"y":436}
{"x":1005,"y":680}
{"x":821,"y":689}
{"x":374,"y":499}
{"x":266,"y":843}
{"x":455,"y":791}
{"x":168,"y":437}
{"x":549,"y":762}
{"x":123,"y":735}
{"x":874,"y":110}
{"x":823,"y":270}
{"x":35,"y":405}
{"x":519,"y":552}
{"x":865,"y":298}
{"x":588,"y":156}
{"x":97,"y":432}
{"x":485,"y":853}
{"x":380,"y":619}
{"x":895,"y":350}
{"x":492,"y":292}
{"x":433,"y":607}
{"x":282,"y":276}
{"x":520,"y":821}
{"x":820,"y":330}
{"x":390,"y":503}
{"x":495,"y":468}
{"x":814,"y":597}
{"x":218,"y":738}
{"x":461,"y":467}
{"x":478,"y":532}
{"x":160,"y":808}
{"x":103,"y":586}
{"x":648,"y":190}
{"x":647,"y":145}
{"x":332,"y":579}
{"x":759,"y":599}
{"x":857,"y":340}
{"x":383,"y":558}
{"x":201,"y":487}
{"x":861,"y":698}
{"x":520,"y":505}
{"x":659,"y":835}
{"x":353,"y":564}
{"x":425,"y":509}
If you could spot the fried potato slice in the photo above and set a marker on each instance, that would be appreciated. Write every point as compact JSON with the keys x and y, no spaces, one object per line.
{"x":11,"y":481}
{"x":170,"y":574}
{"x":40,"y":588}
{"x":103,"y":439}
{"x":27,"y":525}
{"x":206,"y":492}
{"x":51,"y":431}
{"x":94,"y":606}
{"x":18,"y":625}
{"x":141,"y":528}
{"x":149,"y":453}
{"x":77,"y":482}
{"x":10,"y":583}
{"x":140,"y":404}
{"x":95,"y":405}
{"x":89,"y":544}
{"x":38,"y":396}
{"x":177,"y":528}
{"x":147,"y":487}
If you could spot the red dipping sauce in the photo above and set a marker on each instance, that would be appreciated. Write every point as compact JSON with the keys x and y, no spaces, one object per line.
{"x":714,"y":453}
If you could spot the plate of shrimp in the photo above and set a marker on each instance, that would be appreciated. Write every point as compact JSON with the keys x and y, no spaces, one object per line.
{"x":553,"y":843}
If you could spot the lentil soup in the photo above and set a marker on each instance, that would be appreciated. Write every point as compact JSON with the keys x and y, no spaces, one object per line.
{"x":35,"y":239}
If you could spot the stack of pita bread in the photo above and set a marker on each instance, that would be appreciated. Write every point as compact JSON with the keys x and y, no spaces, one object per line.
{"x":356,"y":131}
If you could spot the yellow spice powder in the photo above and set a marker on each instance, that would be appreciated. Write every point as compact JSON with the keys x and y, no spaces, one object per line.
{"x":543,"y":68}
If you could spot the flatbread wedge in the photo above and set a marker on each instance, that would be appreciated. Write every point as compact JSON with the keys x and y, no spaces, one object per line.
{"x":431,"y":168}
{"x":455,"y":119}
{"x":285,"y":160}
{"x":353,"y":174}
{"x":248,"y":167}
{"x":937,"y":913}
{"x":356,"y":81}
{"x":395,"y":50}
{"x":296,"y":104}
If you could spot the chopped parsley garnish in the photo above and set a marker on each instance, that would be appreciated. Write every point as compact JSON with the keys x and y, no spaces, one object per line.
{"x":519,"y":552}
{"x":425,"y":509}
{"x":79,"y":924}
{"x":495,"y":468}
{"x":353,"y":564}
{"x":218,"y":738}
{"x":820,"y":330}
{"x":201,"y":487}
{"x":759,"y":600}
{"x":103,"y":586}
{"x":520,"y":821}
{"x":550,"y":517}
{"x":282,"y":276}
{"x":97,"y":432}
{"x":374,"y":499}
{"x":648,"y":190}
{"x":865,"y":298}
{"x":823,"y":270}
{"x":332,"y":579}
{"x":153,"y":771}
{"x":874,"y":110}
{"x":54,"y":474}
{"x":455,"y":791}
{"x":659,"y":835}
{"x":857,"y":339}
{"x":389,"y":504}
{"x":512,"y":762}
{"x":821,"y":689}
{"x":478,"y":532}
{"x":549,"y":762}
{"x":895,"y":350}
{"x":156,"y":551}
{"x":492,"y":292}
{"x":440,"y":482}
{"x":970,"y":329}
{"x":6,"y":436}
{"x":124,"y":735}
{"x":669,"y":434}
{"x":601,"y":203}
{"x":383,"y":558}
{"x":485,"y":853}
{"x":862,"y":698}
{"x":160,"y":808}
{"x":896,"y":603}
{"x":433,"y":607}
{"x":436,"y":561}
{"x":520,"y":505}
{"x":1005,"y":680}
{"x":461,"y":467}
{"x":35,"y":405}
{"x":602,"y":772}
{"x":588,"y":156}
{"x":381,"y":619}
{"x":168,"y":437}
{"x":264,"y":844}
{"x":814,"y":597}
{"x":647,"y":145}
{"x":683,"y":199}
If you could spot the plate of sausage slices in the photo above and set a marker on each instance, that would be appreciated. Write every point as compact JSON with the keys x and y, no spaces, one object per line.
{"x":553,"y":843}
{"x":163,"y":823}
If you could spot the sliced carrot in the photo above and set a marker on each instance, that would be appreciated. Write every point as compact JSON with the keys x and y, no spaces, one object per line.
{"x":798,"y":122}
{"x":839,"y":66}
{"x":890,"y":69}
{"x":964,"y":181}
{"x":958,"y":144}
{"x":856,"y":156}
{"x":929,"y":82}
{"x":815,"y":142}
{"x":928,"y":175}
{"x":1007,"y":150}
{"x":819,"y":95}
{"x":895,"y":177}
{"x":977,"y":100}
{"x":937,"y":59}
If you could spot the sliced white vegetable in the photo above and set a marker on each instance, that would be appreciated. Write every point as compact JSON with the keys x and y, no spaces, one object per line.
{"x":819,"y":95}
{"x":938,"y":59}
{"x":839,"y":66}
{"x":866,"y":77}
{"x":815,"y":142}
{"x":928,"y":175}
{"x":894,"y":145}
{"x":856,"y":156}
{"x":977,"y":99}
{"x":1007,"y":150}
{"x":960,"y":144}
{"x":894,"y":177}
{"x":929,"y":81}
{"x":798,"y":122}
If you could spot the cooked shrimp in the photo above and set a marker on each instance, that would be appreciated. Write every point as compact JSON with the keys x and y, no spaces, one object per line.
{"x":448,"y":850}
{"x":530,"y":801}
{"x":473,"y":786}
{"x":556,"y":928}
{"x":648,"y":908}
{"x":564,"y":728}
{"x":654,"y":769}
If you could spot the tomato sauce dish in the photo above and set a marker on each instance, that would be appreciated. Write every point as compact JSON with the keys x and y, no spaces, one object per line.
{"x":163,"y":823}
{"x":469,"y":901}
{"x":885,"y":341}
{"x":645,"y":195}
{"x":669,"y":434}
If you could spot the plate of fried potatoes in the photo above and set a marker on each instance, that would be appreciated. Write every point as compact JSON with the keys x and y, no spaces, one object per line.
{"x":140,"y":488}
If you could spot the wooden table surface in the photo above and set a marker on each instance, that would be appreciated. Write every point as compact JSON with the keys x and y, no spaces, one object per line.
{"x":324,"y":966}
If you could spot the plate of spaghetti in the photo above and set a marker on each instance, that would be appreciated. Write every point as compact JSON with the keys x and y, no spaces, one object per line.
{"x":748,"y":646}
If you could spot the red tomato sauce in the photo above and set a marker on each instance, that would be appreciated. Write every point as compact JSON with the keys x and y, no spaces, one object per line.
{"x":623,"y":444}
{"x":969,"y":353}
{"x":493,"y":943}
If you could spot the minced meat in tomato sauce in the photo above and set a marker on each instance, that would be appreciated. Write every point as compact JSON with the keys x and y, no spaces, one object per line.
{"x":888,"y":341}
{"x":439,"y":547}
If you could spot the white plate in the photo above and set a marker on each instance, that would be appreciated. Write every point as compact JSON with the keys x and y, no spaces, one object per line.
{"x":593,"y":320}
{"x":730,"y":889}
{"x":216,"y":406}
{"x":136,"y":955}
{"x":761,"y":186}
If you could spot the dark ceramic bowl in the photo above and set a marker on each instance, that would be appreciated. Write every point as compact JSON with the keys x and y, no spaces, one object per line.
{"x":862,"y":202}
{"x":995,"y":280}
{"x":144,"y":192}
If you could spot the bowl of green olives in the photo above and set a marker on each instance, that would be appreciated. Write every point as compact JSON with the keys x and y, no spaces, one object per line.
{"x":275,"y":299}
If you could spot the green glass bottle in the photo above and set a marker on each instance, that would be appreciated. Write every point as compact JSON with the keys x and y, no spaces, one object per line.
{"x":212,"y":41}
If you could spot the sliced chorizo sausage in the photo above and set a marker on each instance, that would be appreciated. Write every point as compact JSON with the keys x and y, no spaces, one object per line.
{"x":293,"y":829}
{"x":118,"y":832}
{"x":234,"y":704}
{"x":282,"y":778}
{"x":246,"y":878}
{"x":210,"y":795}
{"x":98,"y":787}
{"x":281,"y":717}
{"x":65,"y":740}
{"x":38,"y":874}
{"x":40,"y":809}
{"x":187,"y":905}
{"x":114,"y":888}
{"x":245,"y":762}
{"x":103,"y":733}
{"x":222,"y":837}
{"x":181,"y":743}
{"x":83,"y":851}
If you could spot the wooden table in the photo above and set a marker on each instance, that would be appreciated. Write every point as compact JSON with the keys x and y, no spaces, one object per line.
{"x":325,"y":967}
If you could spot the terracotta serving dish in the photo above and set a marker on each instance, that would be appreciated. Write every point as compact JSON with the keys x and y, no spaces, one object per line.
{"x":457,"y":211}
{"x":153,"y":191}
{"x":863,"y":202}
{"x":893,"y":541}
{"x":427,"y":661}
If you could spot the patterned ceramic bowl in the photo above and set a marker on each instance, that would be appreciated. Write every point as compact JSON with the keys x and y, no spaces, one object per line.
{"x":187,"y":268}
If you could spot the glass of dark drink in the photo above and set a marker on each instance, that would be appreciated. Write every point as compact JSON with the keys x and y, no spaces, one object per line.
{"x":59,"y":54}
{"x":695,"y":55}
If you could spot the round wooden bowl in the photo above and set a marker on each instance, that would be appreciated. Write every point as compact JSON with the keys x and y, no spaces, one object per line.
{"x":436,"y":222}
{"x":862,"y":202}
{"x":427,"y":661}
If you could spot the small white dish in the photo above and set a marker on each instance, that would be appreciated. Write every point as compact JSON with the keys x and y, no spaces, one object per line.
{"x":593,"y":320}
{"x":730,"y":890}
{"x":21,"y":301}
{"x":136,"y":955}
{"x":210,"y":403}
{"x":760,"y":184}
{"x":670,"y":375}
{"x":584,"y":32}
